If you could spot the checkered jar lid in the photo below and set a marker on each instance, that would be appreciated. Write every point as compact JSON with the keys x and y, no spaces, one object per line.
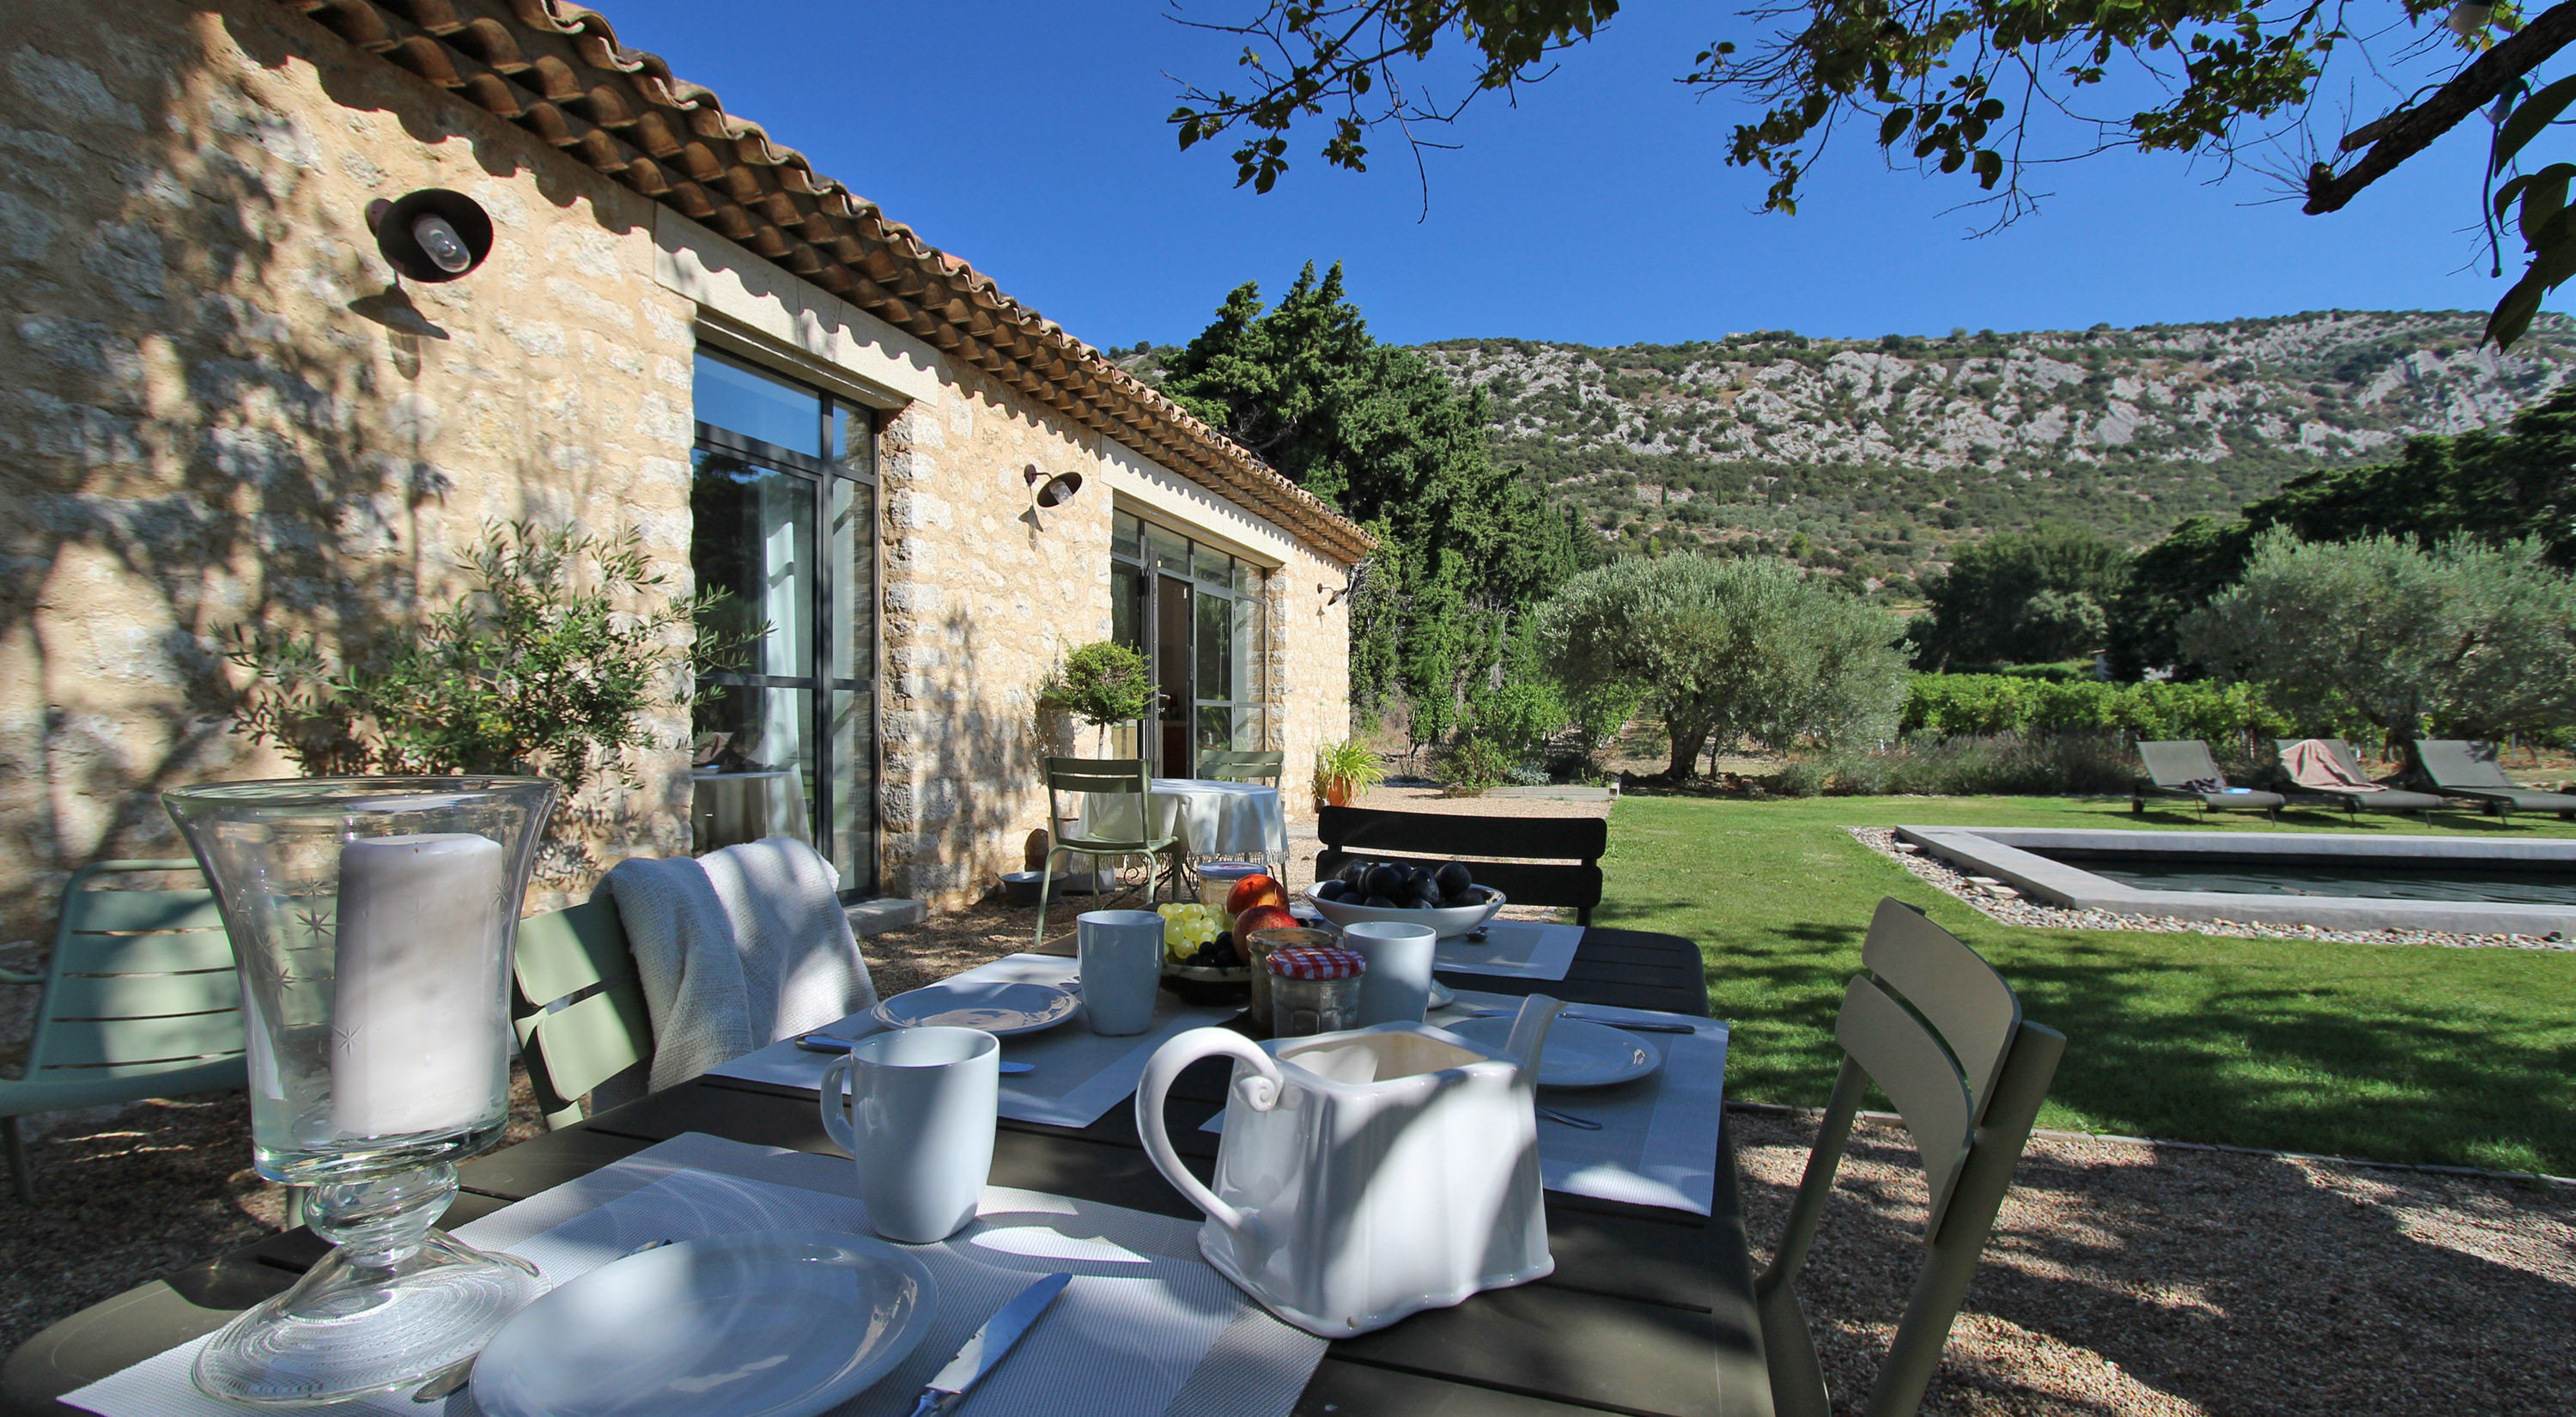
{"x":1317,"y":962}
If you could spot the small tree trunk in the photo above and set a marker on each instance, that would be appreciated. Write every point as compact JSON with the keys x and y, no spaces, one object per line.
{"x":1685,"y":755}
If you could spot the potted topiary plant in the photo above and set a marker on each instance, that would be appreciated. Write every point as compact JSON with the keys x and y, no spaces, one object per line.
{"x":1103,"y":684}
{"x":1344,"y":770}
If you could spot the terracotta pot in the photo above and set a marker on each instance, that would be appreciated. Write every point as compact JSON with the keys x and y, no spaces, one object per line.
{"x":1337,"y":791}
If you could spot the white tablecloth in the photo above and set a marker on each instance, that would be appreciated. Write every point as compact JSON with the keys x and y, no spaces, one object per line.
{"x":1211,"y":818}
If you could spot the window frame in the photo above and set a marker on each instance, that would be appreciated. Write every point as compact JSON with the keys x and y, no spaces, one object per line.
{"x":860,"y":428}
{"x":1145,"y":562}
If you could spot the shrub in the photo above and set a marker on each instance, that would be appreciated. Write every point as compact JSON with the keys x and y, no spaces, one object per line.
{"x":1952,"y":705}
{"x":1930,"y":765}
{"x":1472,"y":765}
{"x":1104,"y":684}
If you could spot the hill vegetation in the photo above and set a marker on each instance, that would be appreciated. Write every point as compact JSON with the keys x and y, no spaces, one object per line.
{"x":1877,"y":457}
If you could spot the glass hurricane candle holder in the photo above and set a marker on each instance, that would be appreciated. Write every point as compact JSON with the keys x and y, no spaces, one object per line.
{"x":372,"y":921}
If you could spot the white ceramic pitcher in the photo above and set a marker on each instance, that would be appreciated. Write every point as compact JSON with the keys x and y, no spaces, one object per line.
{"x":1366,"y":1175}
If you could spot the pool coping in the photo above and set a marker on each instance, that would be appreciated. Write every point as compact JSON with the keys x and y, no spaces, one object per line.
{"x":2007,"y":854}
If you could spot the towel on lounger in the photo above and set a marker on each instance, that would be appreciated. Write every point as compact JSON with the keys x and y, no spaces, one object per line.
{"x":2313,"y":763}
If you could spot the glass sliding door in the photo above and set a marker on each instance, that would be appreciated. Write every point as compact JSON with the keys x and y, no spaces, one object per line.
{"x":1195,"y":613}
{"x":783,"y":503}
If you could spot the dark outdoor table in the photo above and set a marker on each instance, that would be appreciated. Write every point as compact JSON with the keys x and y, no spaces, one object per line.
{"x":1650,"y":1310}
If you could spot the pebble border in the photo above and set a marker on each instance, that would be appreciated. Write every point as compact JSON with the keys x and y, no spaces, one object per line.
{"x":2007,"y":906}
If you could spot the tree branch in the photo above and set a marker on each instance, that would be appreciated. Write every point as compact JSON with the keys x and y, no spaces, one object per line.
{"x":2474,"y":88}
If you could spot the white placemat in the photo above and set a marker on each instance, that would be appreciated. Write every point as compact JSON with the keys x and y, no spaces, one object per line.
{"x":1658,"y":1139}
{"x":1146,"y":1329}
{"x":1520,"y":949}
{"x":1079,"y":1074}
{"x":1210,"y":816}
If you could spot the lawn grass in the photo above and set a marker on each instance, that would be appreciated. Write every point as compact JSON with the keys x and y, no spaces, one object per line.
{"x":2390,"y":1052}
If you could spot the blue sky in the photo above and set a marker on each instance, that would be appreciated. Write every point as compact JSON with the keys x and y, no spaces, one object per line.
{"x":1030,"y":139}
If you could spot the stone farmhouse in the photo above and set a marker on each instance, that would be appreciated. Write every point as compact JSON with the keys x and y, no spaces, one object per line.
{"x":222,"y":403}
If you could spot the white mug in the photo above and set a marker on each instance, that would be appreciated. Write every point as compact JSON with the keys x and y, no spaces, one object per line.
{"x":1397,"y":987}
{"x":1121,"y":958}
{"x":919,"y":1118}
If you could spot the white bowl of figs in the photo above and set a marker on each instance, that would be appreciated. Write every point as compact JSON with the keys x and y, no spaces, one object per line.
{"x":1444,"y":897}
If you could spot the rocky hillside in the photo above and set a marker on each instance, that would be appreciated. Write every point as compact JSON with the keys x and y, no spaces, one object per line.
{"x":1870,"y":456}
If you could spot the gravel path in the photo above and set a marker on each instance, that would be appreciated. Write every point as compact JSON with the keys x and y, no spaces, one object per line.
{"x":2135,"y":1279}
{"x":2002,"y":903}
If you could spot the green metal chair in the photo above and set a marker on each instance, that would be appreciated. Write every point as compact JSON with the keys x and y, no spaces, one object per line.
{"x":578,"y":1006}
{"x":1226,"y":765}
{"x":1942,"y":1035}
{"x":140,"y":1001}
{"x":1113,"y":777}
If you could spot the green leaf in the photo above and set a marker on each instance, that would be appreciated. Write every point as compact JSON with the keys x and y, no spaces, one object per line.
{"x":2530,"y":116}
{"x":1990,"y":165}
{"x":2544,"y":199}
{"x":1892,"y":128}
{"x":2505,"y":194}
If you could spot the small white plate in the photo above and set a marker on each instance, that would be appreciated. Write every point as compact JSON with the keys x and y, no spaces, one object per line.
{"x":998,"y":1007}
{"x":1576,"y":1054}
{"x":767,"y":1324}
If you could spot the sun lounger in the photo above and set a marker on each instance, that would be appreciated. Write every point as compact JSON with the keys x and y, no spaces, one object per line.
{"x":2326,"y":771}
{"x":2184,"y":769}
{"x":2458,"y":768}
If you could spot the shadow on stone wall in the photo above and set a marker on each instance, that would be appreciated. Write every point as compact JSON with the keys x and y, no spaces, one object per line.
{"x":222,"y":409}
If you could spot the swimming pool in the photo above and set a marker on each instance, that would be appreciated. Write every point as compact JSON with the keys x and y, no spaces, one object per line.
{"x":2483,"y":885}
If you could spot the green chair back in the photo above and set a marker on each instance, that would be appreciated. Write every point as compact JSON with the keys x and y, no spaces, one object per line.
{"x":2453,"y":762}
{"x":2183,"y":760}
{"x":1121,"y":777}
{"x":1942,"y":1035}
{"x":140,"y":1000}
{"x":578,"y":1005}
{"x":1228,"y":765}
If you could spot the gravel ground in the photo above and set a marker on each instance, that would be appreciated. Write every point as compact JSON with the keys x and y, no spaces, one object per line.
{"x":2135,"y":1279}
{"x":2125,"y":1278}
{"x":2017,"y":910}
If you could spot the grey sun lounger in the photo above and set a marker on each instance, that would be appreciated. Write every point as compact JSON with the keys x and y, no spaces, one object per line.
{"x":2459,"y":768}
{"x":2389,"y":799}
{"x":2180,"y":768}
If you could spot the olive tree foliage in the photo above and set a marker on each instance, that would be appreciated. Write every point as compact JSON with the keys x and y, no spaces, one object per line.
{"x":2289,"y":87}
{"x":1727,"y":649}
{"x":2457,"y":638}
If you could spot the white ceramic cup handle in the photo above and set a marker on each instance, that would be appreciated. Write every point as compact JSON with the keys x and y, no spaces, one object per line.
{"x":1261,"y":1092}
{"x":836,"y":1105}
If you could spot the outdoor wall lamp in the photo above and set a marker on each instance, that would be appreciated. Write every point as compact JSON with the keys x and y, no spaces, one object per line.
{"x":1058,"y":490}
{"x":431,"y":235}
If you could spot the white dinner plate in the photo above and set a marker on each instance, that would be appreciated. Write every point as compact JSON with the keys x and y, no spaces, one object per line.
{"x":773,"y":1323}
{"x":1576,"y":1054}
{"x":996,"y":1006}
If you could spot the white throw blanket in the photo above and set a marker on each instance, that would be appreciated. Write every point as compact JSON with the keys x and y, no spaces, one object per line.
{"x":737,"y":949}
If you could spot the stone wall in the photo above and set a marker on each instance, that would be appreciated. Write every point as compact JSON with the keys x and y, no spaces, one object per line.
{"x":217,"y":406}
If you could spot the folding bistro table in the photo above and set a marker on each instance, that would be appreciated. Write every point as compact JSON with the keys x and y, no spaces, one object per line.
{"x":1650,"y":1309}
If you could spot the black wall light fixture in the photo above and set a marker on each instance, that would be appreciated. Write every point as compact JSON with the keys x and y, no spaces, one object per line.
{"x":431,"y":235}
{"x":1058,"y":490}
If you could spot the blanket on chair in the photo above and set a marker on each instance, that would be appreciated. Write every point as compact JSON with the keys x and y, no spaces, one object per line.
{"x":2313,"y":764}
{"x":737,"y":949}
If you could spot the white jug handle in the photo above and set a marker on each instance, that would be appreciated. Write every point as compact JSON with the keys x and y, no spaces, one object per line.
{"x":1261,"y":1092}
{"x":836,"y":1105}
{"x":1528,"y":1038}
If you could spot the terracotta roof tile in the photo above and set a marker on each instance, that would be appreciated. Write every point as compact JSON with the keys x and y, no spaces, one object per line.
{"x":557,"y":70}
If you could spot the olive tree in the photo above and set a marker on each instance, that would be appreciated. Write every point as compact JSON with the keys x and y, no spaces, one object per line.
{"x":2457,"y":637}
{"x":1728,"y":649}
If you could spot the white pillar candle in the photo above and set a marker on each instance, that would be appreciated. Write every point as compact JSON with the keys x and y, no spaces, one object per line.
{"x":418,"y":1019}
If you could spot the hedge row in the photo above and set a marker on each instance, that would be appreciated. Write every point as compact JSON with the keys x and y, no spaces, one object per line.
{"x":1956,"y":704}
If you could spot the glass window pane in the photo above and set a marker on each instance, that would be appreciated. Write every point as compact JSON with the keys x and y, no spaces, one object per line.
{"x":755,"y":405}
{"x":854,"y":587}
{"x":1127,"y":606}
{"x":1247,"y":578}
{"x":854,"y":790}
{"x":1215,"y":647}
{"x":1247,"y":730}
{"x":1126,"y":535}
{"x":1168,"y":552}
{"x":1247,"y":650}
{"x":1215,"y":567}
{"x":1215,"y":731}
{"x":760,"y":781}
{"x":854,"y":440}
{"x":753,"y":535}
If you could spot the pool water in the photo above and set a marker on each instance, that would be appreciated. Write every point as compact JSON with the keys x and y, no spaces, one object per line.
{"x":2256,"y":875}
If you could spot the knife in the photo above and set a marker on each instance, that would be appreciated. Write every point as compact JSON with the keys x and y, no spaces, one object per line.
{"x":990,"y":1345}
